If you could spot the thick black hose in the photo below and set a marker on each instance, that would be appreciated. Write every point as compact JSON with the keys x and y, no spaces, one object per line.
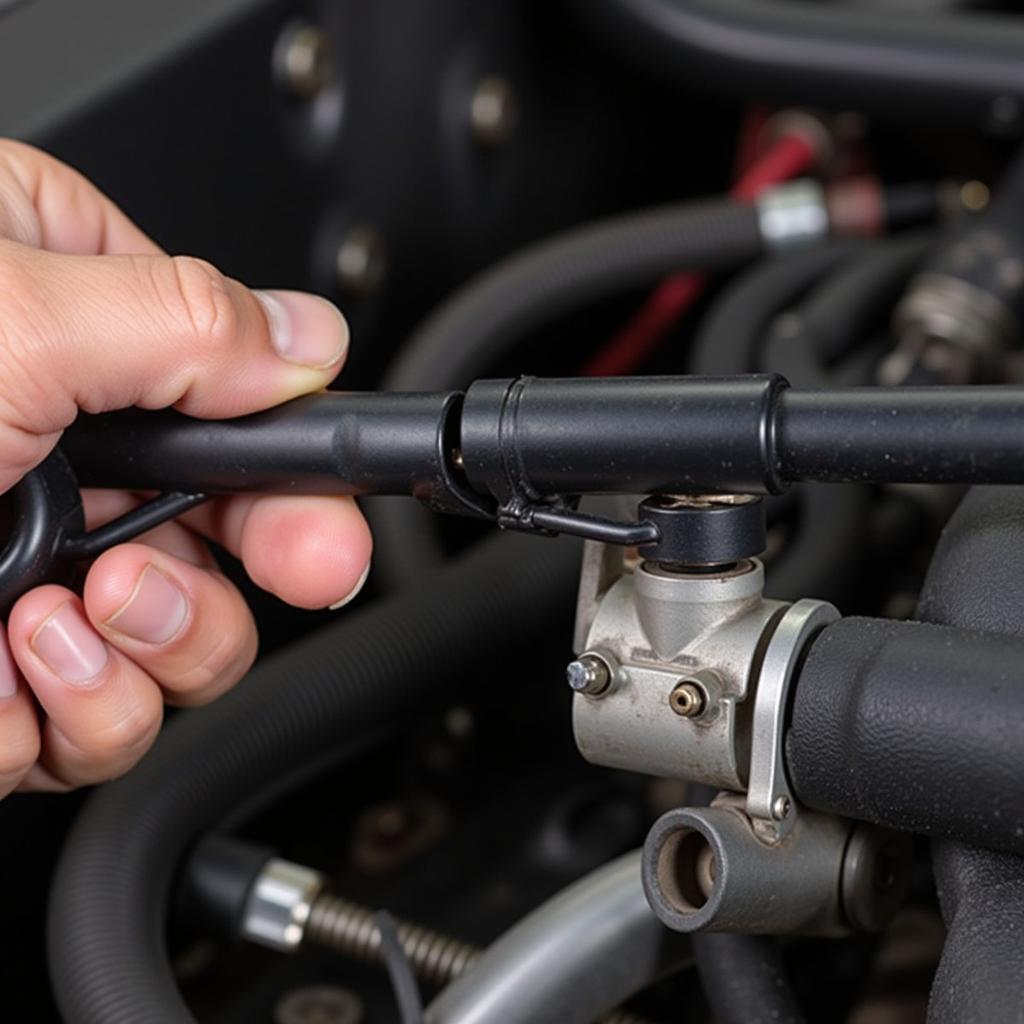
{"x":967,"y":67}
{"x":976,"y":580}
{"x":730,"y":336}
{"x":495,"y":311}
{"x":499,"y":308}
{"x":107,"y":952}
{"x":843,"y":311}
{"x":915,"y":727}
{"x":744,"y":979}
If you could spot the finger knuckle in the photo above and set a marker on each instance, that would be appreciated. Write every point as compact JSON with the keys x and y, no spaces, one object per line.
{"x":18,"y":753}
{"x":119,"y":742}
{"x":198,"y":299}
{"x":218,"y":667}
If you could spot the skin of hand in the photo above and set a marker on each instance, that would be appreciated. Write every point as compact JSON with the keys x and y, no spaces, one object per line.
{"x":94,"y":316}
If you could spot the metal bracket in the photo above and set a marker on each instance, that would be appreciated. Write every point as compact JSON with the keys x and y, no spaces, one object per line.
{"x":770,"y":802}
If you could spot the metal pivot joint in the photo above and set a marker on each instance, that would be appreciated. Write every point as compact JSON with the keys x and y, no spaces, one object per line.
{"x":685,"y":671}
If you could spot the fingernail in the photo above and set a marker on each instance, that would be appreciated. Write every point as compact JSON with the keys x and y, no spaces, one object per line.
{"x":305,"y":329}
{"x":155,"y":611}
{"x":8,"y":669}
{"x":354,"y":592}
{"x":70,"y":646}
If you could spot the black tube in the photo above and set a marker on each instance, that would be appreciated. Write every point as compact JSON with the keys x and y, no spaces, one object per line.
{"x":744,"y":979}
{"x":891,"y":64}
{"x":729,"y":339}
{"x":107,"y":953}
{"x":499,"y":308}
{"x":903,"y":435}
{"x":351,"y":443}
{"x":840,"y":313}
{"x":976,"y":579}
{"x":815,"y":560}
{"x":484,"y":320}
{"x":541,"y":437}
{"x":915,"y":727}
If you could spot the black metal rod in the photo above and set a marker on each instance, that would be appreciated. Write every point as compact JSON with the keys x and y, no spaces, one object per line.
{"x":529,"y":439}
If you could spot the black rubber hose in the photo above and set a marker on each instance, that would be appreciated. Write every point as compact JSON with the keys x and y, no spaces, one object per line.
{"x":731,"y":334}
{"x":815,"y":561}
{"x":498,"y":309}
{"x":884,"y":729}
{"x":967,"y":67}
{"x":744,"y":979}
{"x":851,"y":303}
{"x":108,"y":905}
{"x":976,"y":580}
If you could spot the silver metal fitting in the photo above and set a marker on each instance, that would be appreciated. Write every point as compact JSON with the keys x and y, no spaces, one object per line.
{"x":664,"y":629}
{"x":279,"y":905}
{"x":770,"y":803}
{"x":956,"y":330}
{"x":590,"y":674}
{"x":793,"y":214}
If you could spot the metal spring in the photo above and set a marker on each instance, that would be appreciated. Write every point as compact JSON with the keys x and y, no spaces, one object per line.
{"x":436,"y":959}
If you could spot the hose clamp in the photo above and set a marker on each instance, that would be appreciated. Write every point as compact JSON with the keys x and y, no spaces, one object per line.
{"x":792,"y":215}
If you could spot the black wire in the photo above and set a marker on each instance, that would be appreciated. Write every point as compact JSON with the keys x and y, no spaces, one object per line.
{"x":403,"y":981}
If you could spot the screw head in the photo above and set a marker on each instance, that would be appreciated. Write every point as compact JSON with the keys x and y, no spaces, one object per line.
{"x":305,"y":60}
{"x":781,"y":808}
{"x":589,"y":675}
{"x":361,"y":262}
{"x":688,"y":699}
{"x":493,"y":111}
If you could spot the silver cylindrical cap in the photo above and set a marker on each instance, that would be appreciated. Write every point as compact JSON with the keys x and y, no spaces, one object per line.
{"x":279,"y":904}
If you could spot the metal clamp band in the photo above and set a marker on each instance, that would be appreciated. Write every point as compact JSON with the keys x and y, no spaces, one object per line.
{"x":770,"y":802}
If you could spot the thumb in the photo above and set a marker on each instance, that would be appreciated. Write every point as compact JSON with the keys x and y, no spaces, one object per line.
{"x":107,"y":332}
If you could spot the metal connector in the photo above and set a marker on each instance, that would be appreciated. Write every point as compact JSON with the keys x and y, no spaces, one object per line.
{"x":280,"y":903}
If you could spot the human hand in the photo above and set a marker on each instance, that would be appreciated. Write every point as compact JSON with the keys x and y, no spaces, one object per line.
{"x":94,"y":316}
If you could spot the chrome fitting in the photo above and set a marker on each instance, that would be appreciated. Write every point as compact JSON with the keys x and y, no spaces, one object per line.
{"x":791,"y":215}
{"x":279,"y":905}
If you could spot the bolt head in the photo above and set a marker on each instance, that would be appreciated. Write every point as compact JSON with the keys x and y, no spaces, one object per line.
{"x":493,"y":111}
{"x":361,"y":262}
{"x":305,"y":60}
{"x":781,"y":808}
{"x":688,"y":699}
{"x":588,"y":675}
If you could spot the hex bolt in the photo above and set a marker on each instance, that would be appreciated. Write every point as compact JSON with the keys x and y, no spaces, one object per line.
{"x":688,"y":699}
{"x":781,"y":808}
{"x":304,"y":60}
{"x":589,"y":675}
{"x":493,"y":111}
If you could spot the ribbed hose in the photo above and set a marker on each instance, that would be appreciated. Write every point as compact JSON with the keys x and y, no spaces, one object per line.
{"x":497,"y":310}
{"x":976,"y":580}
{"x":107,"y":951}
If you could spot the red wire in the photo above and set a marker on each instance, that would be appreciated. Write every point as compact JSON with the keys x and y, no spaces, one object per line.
{"x":788,"y":157}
